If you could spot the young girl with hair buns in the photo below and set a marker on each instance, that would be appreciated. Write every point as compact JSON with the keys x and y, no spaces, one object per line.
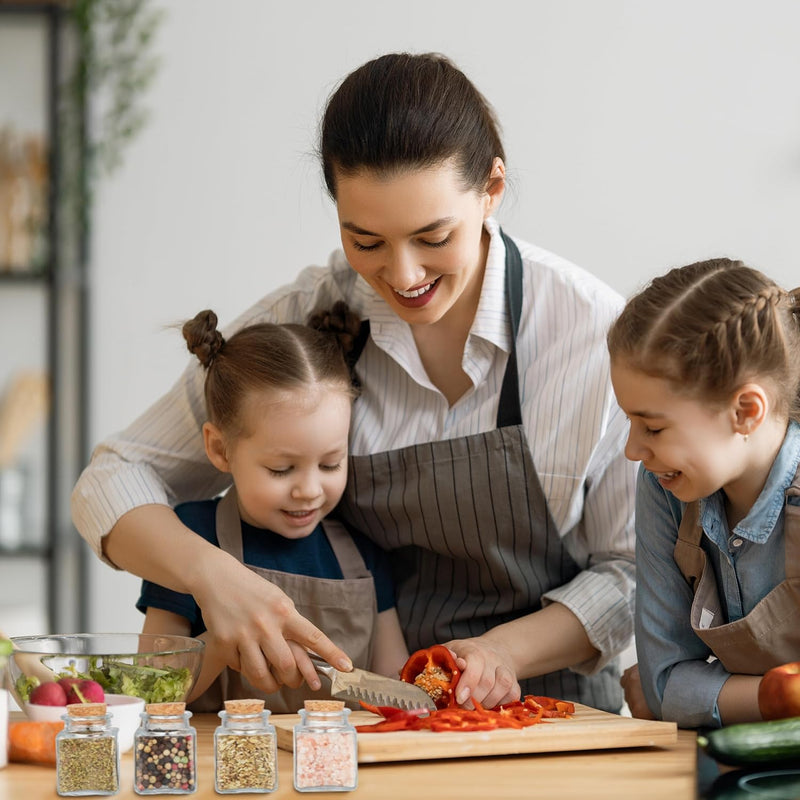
{"x":705,"y":362}
{"x":278,"y":400}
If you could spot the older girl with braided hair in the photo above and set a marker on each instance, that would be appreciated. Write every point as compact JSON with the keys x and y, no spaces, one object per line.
{"x":278,"y":400}
{"x":705,"y":362}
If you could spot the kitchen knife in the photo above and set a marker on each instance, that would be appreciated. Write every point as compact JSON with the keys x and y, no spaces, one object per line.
{"x":372,"y":688}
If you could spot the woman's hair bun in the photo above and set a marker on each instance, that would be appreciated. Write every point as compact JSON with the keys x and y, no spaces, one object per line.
{"x":339,"y":321}
{"x":202,"y":337}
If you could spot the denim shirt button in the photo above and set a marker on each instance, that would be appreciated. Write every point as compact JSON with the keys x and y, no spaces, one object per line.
{"x":737,"y":542}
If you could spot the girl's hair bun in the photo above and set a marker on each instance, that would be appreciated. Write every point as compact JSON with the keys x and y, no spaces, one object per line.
{"x":202,"y":337}
{"x":339,"y":321}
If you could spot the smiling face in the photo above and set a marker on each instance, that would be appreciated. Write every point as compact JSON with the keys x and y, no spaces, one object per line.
{"x":417,"y":238}
{"x":290,"y":467}
{"x":692,"y":447}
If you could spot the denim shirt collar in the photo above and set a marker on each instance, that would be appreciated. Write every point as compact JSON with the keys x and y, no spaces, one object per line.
{"x":766,"y":511}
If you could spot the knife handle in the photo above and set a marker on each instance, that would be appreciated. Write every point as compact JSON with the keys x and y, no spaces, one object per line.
{"x":322,"y":666}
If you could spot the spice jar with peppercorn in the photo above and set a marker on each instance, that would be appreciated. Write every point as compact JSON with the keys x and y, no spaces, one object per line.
{"x":245,"y":756}
{"x":165,"y":751}
{"x":325,"y":748}
{"x":87,"y":752}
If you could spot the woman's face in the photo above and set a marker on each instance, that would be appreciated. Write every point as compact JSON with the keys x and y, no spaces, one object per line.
{"x":417,"y":238}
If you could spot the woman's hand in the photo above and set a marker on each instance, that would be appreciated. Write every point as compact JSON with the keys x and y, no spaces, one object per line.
{"x":631,"y":683}
{"x":260,"y":630}
{"x":487,"y":672}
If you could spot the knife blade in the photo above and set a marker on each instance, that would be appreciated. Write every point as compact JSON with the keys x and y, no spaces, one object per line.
{"x":372,"y":688}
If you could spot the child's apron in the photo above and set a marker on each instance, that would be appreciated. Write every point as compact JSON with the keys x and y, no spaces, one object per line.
{"x":473,"y":542}
{"x":344,"y":609}
{"x":770,"y":634}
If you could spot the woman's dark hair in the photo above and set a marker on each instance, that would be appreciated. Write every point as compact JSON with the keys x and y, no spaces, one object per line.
{"x":269,"y":356}
{"x":403,"y":111}
{"x":709,"y":327}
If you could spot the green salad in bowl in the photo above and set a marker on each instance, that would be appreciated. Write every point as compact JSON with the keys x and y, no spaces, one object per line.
{"x":156,"y":667}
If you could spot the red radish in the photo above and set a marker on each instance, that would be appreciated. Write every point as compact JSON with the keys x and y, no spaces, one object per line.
{"x":48,"y":694}
{"x":68,"y":683}
{"x":86,"y":691}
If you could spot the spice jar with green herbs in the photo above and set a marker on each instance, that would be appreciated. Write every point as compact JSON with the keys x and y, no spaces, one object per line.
{"x":87,"y":752}
{"x":245,"y":754}
{"x":325,"y":748}
{"x":165,"y":751}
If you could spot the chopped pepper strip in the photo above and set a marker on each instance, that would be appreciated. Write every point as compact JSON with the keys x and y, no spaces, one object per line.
{"x":519,"y":714}
{"x":434,"y":670}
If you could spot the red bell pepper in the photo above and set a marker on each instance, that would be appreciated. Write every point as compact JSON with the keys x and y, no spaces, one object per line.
{"x":519,"y":714}
{"x":434,"y":670}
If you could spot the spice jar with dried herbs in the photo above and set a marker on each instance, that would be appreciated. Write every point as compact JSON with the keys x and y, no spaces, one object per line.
{"x":325,"y":748}
{"x":165,"y":751}
{"x":245,"y":754}
{"x":87,"y":752}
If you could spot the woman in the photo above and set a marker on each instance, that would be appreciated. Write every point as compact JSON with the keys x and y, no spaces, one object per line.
{"x":486,"y":445}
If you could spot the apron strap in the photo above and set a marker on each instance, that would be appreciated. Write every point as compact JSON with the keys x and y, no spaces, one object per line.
{"x":229,"y":525}
{"x":345,"y":549}
{"x":509,"y":411}
{"x":791,"y":529}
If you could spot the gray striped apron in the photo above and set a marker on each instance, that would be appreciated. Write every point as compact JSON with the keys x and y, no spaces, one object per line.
{"x":345,"y":609}
{"x":769,"y":635}
{"x":426,"y":503}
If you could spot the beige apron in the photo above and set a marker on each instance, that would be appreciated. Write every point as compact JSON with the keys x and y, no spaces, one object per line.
{"x":770,"y":634}
{"x":344,"y":609}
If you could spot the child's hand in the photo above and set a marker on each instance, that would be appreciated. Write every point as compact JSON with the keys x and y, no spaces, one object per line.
{"x":487,"y":674}
{"x":631,"y":682}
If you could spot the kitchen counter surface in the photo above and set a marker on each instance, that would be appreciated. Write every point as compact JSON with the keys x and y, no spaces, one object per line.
{"x":646,"y":772}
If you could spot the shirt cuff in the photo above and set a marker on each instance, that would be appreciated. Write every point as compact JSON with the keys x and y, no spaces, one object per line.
{"x":605,"y":612}
{"x":691,"y":692}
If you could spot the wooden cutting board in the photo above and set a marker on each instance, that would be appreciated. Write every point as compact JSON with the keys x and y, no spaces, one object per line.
{"x":587,"y":729}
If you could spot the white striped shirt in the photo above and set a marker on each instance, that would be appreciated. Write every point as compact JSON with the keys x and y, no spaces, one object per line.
{"x":575,"y":429}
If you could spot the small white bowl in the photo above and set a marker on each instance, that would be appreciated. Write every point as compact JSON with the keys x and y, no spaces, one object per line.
{"x":124,"y":711}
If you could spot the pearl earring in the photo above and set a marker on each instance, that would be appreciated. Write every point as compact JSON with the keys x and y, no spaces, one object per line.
{"x":746,"y":437}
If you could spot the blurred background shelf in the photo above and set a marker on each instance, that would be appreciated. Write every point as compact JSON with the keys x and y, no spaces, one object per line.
{"x":43,"y":328}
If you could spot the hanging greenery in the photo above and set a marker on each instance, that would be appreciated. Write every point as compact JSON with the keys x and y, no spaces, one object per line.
{"x":113,"y":64}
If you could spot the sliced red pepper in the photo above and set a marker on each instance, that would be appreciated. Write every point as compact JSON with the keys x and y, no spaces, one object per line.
{"x":434,"y":670}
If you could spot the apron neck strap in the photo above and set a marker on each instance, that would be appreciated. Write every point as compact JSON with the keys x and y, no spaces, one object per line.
{"x":509,"y":411}
{"x":229,"y":525}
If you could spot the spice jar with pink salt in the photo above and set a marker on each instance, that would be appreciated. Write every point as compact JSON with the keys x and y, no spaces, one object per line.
{"x":325,"y":748}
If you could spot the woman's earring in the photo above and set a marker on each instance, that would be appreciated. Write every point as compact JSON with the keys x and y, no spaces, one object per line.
{"x":746,"y":437}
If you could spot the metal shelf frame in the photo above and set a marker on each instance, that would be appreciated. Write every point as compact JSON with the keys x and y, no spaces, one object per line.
{"x":64,"y":278}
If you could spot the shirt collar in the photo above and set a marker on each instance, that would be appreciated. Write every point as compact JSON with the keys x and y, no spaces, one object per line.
{"x":766,"y":511}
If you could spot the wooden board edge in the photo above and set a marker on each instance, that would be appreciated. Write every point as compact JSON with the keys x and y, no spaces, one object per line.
{"x":627,"y":732}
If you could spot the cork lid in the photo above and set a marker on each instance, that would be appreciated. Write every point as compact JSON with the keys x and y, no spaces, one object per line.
{"x":244,"y":706}
{"x":165,"y":709}
{"x":323,"y":705}
{"x":86,"y":709}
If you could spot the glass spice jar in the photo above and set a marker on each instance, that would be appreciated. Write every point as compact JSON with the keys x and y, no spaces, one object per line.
{"x":87,"y":752}
{"x":165,"y":751}
{"x":245,"y":749}
{"x":325,"y":748}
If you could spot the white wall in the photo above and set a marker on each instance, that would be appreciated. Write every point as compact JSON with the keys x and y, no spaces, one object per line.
{"x":639,"y":135}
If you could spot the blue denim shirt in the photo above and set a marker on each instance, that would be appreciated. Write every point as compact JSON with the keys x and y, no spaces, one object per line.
{"x":679,"y":682}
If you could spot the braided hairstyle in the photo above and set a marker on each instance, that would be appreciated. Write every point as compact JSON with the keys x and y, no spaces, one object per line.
{"x":269,"y":356}
{"x":710,"y":327}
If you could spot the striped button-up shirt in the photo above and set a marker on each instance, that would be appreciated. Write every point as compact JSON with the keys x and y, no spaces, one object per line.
{"x":574,"y":427}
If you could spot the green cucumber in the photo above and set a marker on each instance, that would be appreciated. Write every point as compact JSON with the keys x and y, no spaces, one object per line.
{"x":753,"y":743}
